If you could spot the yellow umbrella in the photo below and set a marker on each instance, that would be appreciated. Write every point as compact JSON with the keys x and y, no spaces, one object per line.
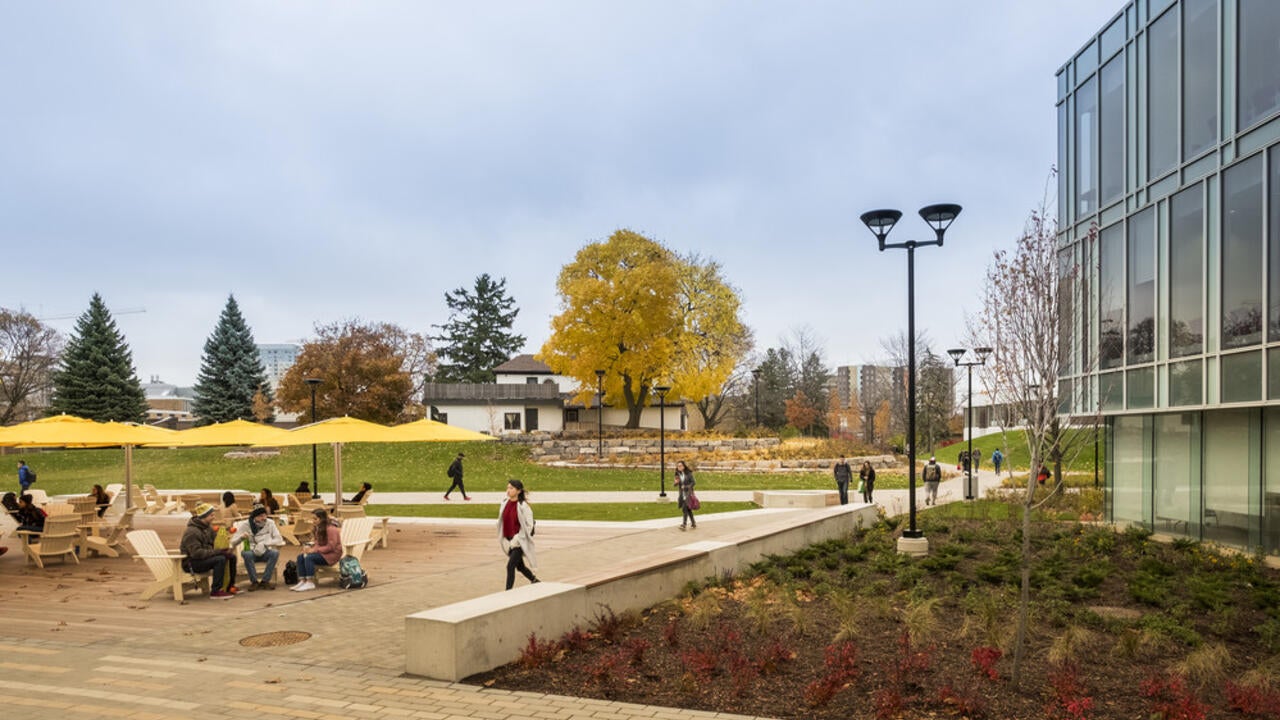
{"x":72,"y":431}
{"x":337,"y":431}
{"x":235,"y":432}
{"x":427,"y":430}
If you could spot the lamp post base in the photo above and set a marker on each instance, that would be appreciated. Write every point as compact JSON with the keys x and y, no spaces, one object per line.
{"x":913,"y":546}
{"x":662,"y":497}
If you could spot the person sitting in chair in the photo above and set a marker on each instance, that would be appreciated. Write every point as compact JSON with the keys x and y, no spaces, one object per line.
{"x":29,"y":517}
{"x":201,"y":556}
{"x":263,"y":538}
{"x":359,"y":496}
{"x":101,"y":499}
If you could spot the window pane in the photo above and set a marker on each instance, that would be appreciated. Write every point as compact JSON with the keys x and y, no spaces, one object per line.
{"x":1066,"y":309}
{"x":1274,"y":243}
{"x":1087,"y":148}
{"x":1111,"y":299}
{"x":1259,"y":53}
{"x":1226,"y":486}
{"x":1126,"y":488}
{"x":1185,"y":383}
{"x":1111,"y":130}
{"x":1242,"y":254}
{"x":1186,"y":273}
{"x":1242,"y":377}
{"x":1111,"y":387}
{"x":1273,"y":374}
{"x":1177,"y":438}
{"x":1162,"y":97}
{"x":1271,"y":493}
{"x":1141,"y":388}
{"x":1064,"y":205}
{"x":1142,"y":286}
{"x":1113,"y":37}
{"x":1199,"y":75}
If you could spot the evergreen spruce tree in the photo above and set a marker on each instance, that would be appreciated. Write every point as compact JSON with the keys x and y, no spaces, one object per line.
{"x":231,"y":371}
{"x":96,"y":379}
{"x":477,"y":338}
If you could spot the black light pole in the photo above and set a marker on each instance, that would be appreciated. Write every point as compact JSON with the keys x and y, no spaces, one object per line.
{"x":599,"y":415}
{"x":662,"y":391}
{"x":315,"y":484}
{"x":880,"y":222}
{"x":970,"y":485}
{"x":755,"y":377}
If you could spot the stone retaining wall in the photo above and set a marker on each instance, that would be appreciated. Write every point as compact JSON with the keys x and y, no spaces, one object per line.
{"x":579,"y":452}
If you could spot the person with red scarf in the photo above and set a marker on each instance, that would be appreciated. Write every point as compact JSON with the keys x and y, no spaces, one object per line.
{"x":515,"y":533}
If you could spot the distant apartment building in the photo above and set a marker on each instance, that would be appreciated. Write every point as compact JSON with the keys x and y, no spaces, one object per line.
{"x":277,"y":359}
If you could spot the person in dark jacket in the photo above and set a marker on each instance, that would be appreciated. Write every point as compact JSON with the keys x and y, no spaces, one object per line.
{"x":844,"y":475}
{"x":684,"y":483}
{"x":364,"y":490}
{"x":100,"y":499}
{"x":455,"y":474}
{"x":25,"y":476}
{"x":29,"y":517}
{"x":201,"y":556}
{"x":868,"y":477}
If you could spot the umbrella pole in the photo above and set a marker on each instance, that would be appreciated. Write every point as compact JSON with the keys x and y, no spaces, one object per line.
{"x":128,"y":476}
{"x":337,"y":476}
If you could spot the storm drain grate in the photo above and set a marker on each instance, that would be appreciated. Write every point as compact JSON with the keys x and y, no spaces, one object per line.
{"x":275,"y":639}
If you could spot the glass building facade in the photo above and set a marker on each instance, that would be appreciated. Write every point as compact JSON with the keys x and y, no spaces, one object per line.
{"x":1169,"y":250}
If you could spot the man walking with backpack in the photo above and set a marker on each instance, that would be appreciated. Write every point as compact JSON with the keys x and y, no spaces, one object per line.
{"x":26,"y":476}
{"x":455,"y":474}
{"x":932,"y":476}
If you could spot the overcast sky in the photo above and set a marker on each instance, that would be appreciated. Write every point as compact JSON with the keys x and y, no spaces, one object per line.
{"x":326,"y":160}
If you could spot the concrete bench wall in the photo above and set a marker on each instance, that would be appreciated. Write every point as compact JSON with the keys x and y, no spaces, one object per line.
{"x":455,"y":641}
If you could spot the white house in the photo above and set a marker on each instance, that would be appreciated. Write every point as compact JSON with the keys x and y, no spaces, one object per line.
{"x":527,"y":396}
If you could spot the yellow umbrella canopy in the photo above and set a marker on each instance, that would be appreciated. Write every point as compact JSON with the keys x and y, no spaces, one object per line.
{"x":337,"y":430}
{"x":427,"y":430}
{"x":71,"y":431}
{"x":235,"y":432}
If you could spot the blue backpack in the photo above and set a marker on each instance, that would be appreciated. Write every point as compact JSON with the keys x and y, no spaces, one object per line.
{"x":350,"y":575}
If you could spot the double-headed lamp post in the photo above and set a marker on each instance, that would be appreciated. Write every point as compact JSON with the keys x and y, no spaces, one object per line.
{"x":312,"y":383}
{"x":755,"y":381}
{"x":981,"y":354}
{"x":662,"y":391}
{"x":599,"y":415}
{"x":880,"y":222}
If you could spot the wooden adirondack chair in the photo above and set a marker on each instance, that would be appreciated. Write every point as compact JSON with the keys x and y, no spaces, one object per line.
{"x":107,"y":544}
{"x":299,"y":530}
{"x":165,"y":566}
{"x":157,"y":503}
{"x":58,"y":539}
{"x":59,"y":508}
{"x":356,"y":536}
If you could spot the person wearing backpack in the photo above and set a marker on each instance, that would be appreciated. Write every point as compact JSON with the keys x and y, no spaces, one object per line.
{"x":932,"y":476}
{"x":455,"y":474}
{"x":515,"y":533}
{"x":26,"y":476}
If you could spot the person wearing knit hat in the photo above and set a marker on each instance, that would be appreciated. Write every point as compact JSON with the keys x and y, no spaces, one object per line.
{"x":202,"y":556}
{"x":260,"y":538}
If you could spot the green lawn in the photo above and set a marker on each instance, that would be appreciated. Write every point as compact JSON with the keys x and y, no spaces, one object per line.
{"x":1078,"y":459}
{"x":390,"y":467}
{"x":618,"y":512}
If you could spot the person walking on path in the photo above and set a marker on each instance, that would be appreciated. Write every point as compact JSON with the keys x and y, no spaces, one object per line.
{"x":844,"y":475}
{"x":867,"y":477}
{"x":324,"y":549}
{"x":687,"y":500}
{"x":997,"y":458}
{"x":197,"y":545}
{"x":932,"y":476}
{"x":977,"y":458}
{"x":261,"y":537}
{"x":26,"y":476}
{"x":455,"y":474}
{"x":515,"y":533}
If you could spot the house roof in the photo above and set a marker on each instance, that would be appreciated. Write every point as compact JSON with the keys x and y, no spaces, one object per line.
{"x":467,"y":392}
{"x":524,"y":365}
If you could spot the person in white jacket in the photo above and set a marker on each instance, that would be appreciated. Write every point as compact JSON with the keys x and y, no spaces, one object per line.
{"x":515,"y":533}
{"x":263,"y":538}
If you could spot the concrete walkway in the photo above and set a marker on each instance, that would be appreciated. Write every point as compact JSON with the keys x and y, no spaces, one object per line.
{"x":351,"y":666}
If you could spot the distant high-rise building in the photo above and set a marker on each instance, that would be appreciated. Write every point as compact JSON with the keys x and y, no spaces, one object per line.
{"x":277,"y":359}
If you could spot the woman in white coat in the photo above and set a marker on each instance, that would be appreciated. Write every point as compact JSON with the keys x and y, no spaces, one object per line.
{"x":515,"y":533}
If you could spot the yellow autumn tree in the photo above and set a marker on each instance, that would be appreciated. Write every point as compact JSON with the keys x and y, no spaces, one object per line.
{"x":631,"y":307}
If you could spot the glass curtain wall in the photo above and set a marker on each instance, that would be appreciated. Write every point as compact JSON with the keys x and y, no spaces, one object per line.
{"x":1199,"y":76}
{"x":1111,"y":297}
{"x":1186,"y":273}
{"x":1271,"y":490}
{"x":1273,"y":241}
{"x":1259,"y":55}
{"x":1087,"y":148}
{"x":1162,"y":95}
{"x":1111,"y":130}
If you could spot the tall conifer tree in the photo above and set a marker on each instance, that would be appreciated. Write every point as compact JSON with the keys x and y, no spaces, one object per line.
{"x":231,"y":371}
{"x":97,"y":379}
{"x":478,"y":336}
